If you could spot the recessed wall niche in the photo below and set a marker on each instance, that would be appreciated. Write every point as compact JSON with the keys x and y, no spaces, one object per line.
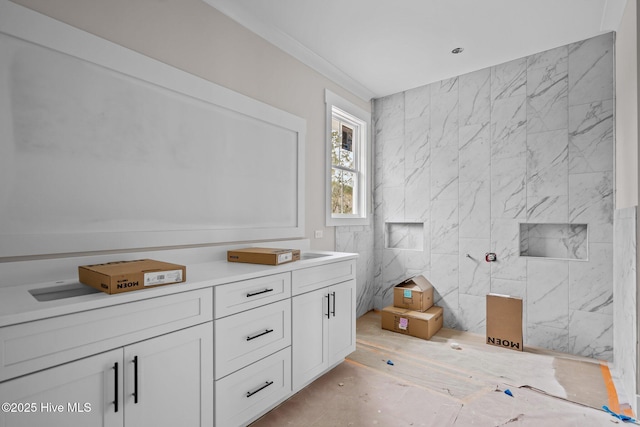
{"x":558,"y":241}
{"x":404,"y":235}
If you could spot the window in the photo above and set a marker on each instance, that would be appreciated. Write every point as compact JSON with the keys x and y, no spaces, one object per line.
{"x":348,"y":181}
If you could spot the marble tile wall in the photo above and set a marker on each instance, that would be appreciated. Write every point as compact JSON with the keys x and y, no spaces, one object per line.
{"x":472,"y":157}
{"x":625,"y":316}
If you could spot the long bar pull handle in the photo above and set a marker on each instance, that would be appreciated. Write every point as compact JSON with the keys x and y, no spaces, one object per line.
{"x":262,"y":387}
{"x":266,"y":331}
{"x":264,"y":291}
{"x":328,"y":304}
{"x":135,"y":379}
{"x":334,"y":304}
{"x":115,"y":402}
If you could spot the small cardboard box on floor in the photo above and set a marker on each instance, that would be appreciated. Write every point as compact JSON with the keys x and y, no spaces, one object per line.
{"x":125,"y":276}
{"x":504,"y":321}
{"x":413,"y":294}
{"x":419,"y":324}
{"x":268,"y":256}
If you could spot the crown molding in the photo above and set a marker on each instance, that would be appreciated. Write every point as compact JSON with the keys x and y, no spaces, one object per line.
{"x":291,"y":46}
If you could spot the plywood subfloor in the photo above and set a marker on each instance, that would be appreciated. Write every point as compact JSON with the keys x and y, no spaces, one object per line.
{"x":432,"y":384}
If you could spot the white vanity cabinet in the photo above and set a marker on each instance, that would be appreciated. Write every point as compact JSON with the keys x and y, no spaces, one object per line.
{"x":163,"y":380}
{"x":234,"y":345}
{"x":324,"y":324}
{"x":252,"y":347}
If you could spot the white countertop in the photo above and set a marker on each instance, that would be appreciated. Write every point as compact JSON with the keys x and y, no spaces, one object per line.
{"x":17,"y":305}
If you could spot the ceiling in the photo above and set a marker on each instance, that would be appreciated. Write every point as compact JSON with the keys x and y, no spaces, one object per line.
{"x":379,"y":47}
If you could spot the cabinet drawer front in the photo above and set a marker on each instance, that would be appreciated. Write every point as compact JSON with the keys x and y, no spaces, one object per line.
{"x":240,"y":296}
{"x":309,"y":279}
{"x":246,"y":337}
{"x":245,"y":395}
{"x":31,"y":346}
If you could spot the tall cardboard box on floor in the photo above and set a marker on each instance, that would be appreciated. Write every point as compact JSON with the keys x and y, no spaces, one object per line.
{"x":413,"y":294}
{"x":418,"y":324}
{"x":504,"y":321}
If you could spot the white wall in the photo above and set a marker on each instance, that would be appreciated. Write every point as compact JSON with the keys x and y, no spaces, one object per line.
{"x":627,"y":109}
{"x":192,"y":36}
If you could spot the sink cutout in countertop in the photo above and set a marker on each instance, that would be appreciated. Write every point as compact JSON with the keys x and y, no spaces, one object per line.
{"x":311,"y":255}
{"x":63,"y":291}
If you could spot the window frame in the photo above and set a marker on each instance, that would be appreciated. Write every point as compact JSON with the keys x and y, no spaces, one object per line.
{"x":362,"y":187}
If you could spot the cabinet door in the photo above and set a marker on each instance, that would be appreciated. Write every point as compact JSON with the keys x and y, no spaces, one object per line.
{"x":81,"y":393}
{"x":342,"y":323}
{"x":310,"y":334}
{"x":169,"y":379}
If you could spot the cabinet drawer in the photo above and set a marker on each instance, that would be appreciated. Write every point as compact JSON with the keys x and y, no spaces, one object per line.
{"x":309,"y":279}
{"x":32,"y":346}
{"x":240,"y":296}
{"x":245,"y":395}
{"x":245,"y":337}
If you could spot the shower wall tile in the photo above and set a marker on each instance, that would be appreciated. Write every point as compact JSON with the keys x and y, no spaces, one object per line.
{"x":475,"y":152}
{"x":444,"y":119}
{"x":625,"y":298}
{"x":390,"y":121}
{"x":359,"y":239}
{"x":417,"y":188}
{"x":416,"y":143}
{"x":444,"y":278}
{"x":508,"y":188}
{"x":591,"y":137}
{"x":508,"y":127}
{"x":444,"y":227}
{"x":547,"y":337}
{"x":547,"y":97}
{"x":475,"y":209}
{"x":474,"y":98}
{"x":591,"y":283}
{"x":472,"y":313}
{"x":591,"y":70}
{"x":444,"y":173}
{"x":547,"y":174}
{"x":548,"y":293}
{"x":474,"y":271}
{"x":591,"y":202}
{"x":547,"y":209}
{"x":505,"y":242}
{"x":393,"y":200}
{"x":547,"y":163}
{"x":552,"y":57}
{"x":509,"y":79}
{"x":591,"y":334}
{"x":514,"y":288}
{"x":392,"y":158}
{"x":445,"y":86}
{"x":393,"y":272}
{"x":418,"y":261}
{"x":417,"y":103}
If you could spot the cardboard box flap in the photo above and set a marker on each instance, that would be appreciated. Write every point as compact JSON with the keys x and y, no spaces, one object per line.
{"x":419,"y":281}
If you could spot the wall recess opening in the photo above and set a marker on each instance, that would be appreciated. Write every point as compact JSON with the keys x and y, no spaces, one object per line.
{"x":557,"y":241}
{"x":404,"y":235}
